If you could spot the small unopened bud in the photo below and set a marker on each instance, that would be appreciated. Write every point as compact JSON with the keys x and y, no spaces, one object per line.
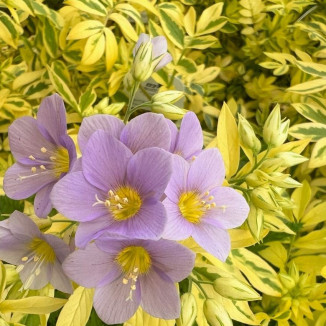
{"x":287,"y":281}
{"x":142,"y":67}
{"x":255,"y":221}
{"x":167,"y":97}
{"x":170,"y":111}
{"x":188,"y":309}
{"x":275,"y":131}
{"x":264,"y":199}
{"x":247,"y":135}
{"x":216,"y":314}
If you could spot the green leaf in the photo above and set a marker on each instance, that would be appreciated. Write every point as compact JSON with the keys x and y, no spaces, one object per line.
{"x":50,"y":38}
{"x":210,"y":20}
{"x":85,"y":29}
{"x":312,"y":130}
{"x":200,"y":42}
{"x":312,"y":68}
{"x":77,"y":310}
{"x":126,"y":28}
{"x":312,"y":112}
{"x":312,"y":86}
{"x":42,"y":10}
{"x":87,"y":99}
{"x":318,"y":155}
{"x":32,"y":305}
{"x":9,"y":30}
{"x":174,"y":32}
{"x":94,"y":7}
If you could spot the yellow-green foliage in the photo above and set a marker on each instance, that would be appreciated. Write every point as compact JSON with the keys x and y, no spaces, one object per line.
{"x":230,"y":57}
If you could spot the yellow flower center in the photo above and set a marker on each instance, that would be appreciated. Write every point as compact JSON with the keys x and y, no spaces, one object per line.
{"x":61,"y":161}
{"x":133,"y":261}
{"x":42,"y":250}
{"x":193,"y":205}
{"x":123,"y":203}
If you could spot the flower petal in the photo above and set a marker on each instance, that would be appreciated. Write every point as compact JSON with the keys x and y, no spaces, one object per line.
{"x":112,"y":125}
{"x":88,"y":231}
{"x":214,"y":240}
{"x":149,"y":171}
{"x":146,"y":130}
{"x":90,"y":266}
{"x":42,"y":201}
{"x":231,"y":209}
{"x":25,"y":139}
{"x":190,"y":138}
{"x":159,"y":296}
{"x":178,"y":180}
{"x":148,"y":223}
{"x":105,"y":161}
{"x":110,"y":302}
{"x":172,"y":258}
{"x":164,"y":61}
{"x":51,"y":118}
{"x":177,"y":227}
{"x":59,"y":279}
{"x":174,"y":134}
{"x":20,"y":182}
{"x":142,"y":39}
{"x":74,"y":197}
{"x":12,"y":250}
{"x":38,"y":281}
{"x":160,"y":46}
{"x":207,"y":171}
{"x":62,"y":250}
{"x":22,"y":227}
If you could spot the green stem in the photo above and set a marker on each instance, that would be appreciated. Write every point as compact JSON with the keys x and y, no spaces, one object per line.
{"x":174,"y":71}
{"x":198,"y":284}
{"x":144,"y":92}
{"x":67,"y":228}
{"x":131,"y":100}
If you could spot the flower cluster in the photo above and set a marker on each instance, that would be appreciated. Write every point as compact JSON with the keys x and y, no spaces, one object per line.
{"x":136,"y":189}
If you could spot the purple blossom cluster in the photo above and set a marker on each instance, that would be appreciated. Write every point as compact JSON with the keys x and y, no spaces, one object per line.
{"x":136,"y":190}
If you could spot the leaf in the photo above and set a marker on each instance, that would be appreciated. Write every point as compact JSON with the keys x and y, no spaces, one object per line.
{"x":130,"y":11}
{"x":228,"y":141}
{"x":9,"y":30}
{"x":312,"y":130}
{"x":144,"y":319}
{"x":276,"y":254}
{"x":85,"y":29}
{"x":87,"y":99}
{"x":27,"y":78}
{"x":301,"y":197}
{"x":311,"y":111}
{"x":3,"y":279}
{"x":94,"y":7}
{"x":309,"y":87}
{"x":32,"y":305}
{"x":50,"y":38}
{"x":62,"y":88}
{"x":145,"y":4}
{"x":190,"y":21}
{"x":94,"y":49}
{"x":77,"y":310}
{"x":310,"y":263}
{"x":258,"y":272}
{"x":210,"y":20}
{"x":243,"y":238}
{"x":315,"y":240}
{"x":126,"y":28}
{"x":38,"y":89}
{"x":312,"y":68}
{"x":111,"y":49}
{"x":42,"y":10}
{"x":200,"y":42}
{"x":173,"y":31}
{"x":318,"y":155}
{"x":315,"y":215}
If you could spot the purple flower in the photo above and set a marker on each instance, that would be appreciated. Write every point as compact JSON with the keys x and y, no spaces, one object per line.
{"x":159,"y":49}
{"x":188,"y":142}
{"x":129,"y":273}
{"x":43,"y":151}
{"x":197,"y":205}
{"x":38,"y":256}
{"x":116,"y":191}
{"x":144,"y":131}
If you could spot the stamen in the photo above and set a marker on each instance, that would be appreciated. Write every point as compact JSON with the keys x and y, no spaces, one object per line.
{"x":19,"y":268}
{"x":133,"y":287}
{"x":119,"y":206}
{"x":206,"y":193}
{"x":53,"y":158}
{"x":208,"y":206}
{"x":29,"y":282}
{"x":203,"y":202}
{"x":42,"y":167}
{"x":213,"y":204}
{"x":210,"y":197}
{"x":107,"y":203}
{"x":43,"y":150}
{"x":31,"y":157}
{"x":125,"y":281}
{"x":25,"y":258}
{"x":116,"y":197}
{"x":33,"y":169}
{"x":111,"y":193}
{"x":193,"y":158}
{"x":36,"y":258}
{"x":125,"y":200}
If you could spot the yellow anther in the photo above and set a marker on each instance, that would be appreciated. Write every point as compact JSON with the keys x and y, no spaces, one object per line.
{"x":36,"y":258}
{"x":210,"y":197}
{"x":206,"y":193}
{"x":203,"y":202}
{"x":119,"y":206}
{"x":53,"y":158}
{"x":42,"y":167}
{"x":133,"y":287}
{"x":31,"y":157}
{"x":25,"y":258}
{"x":43,"y":150}
{"x":116,"y":197}
{"x":33,"y":169}
{"x":213,"y":204}
{"x":193,"y":158}
{"x":125,"y":281}
{"x":136,"y":270}
{"x":125,"y":200}
{"x":37,"y":272}
{"x":107,"y":203}
{"x":111,"y":193}
{"x":208,"y":206}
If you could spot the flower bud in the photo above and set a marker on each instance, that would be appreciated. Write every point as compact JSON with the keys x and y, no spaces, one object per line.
{"x":255,"y":221}
{"x":216,"y":314}
{"x":256,"y":179}
{"x":128,"y":81}
{"x":142,"y":67}
{"x":264,"y":199}
{"x":167,"y":97}
{"x":247,"y":135}
{"x":287,"y":281}
{"x":170,"y":111}
{"x":234,"y":289}
{"x":275,"y":131}
{"x":188,"y":309}
{"x":291,"y":159}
